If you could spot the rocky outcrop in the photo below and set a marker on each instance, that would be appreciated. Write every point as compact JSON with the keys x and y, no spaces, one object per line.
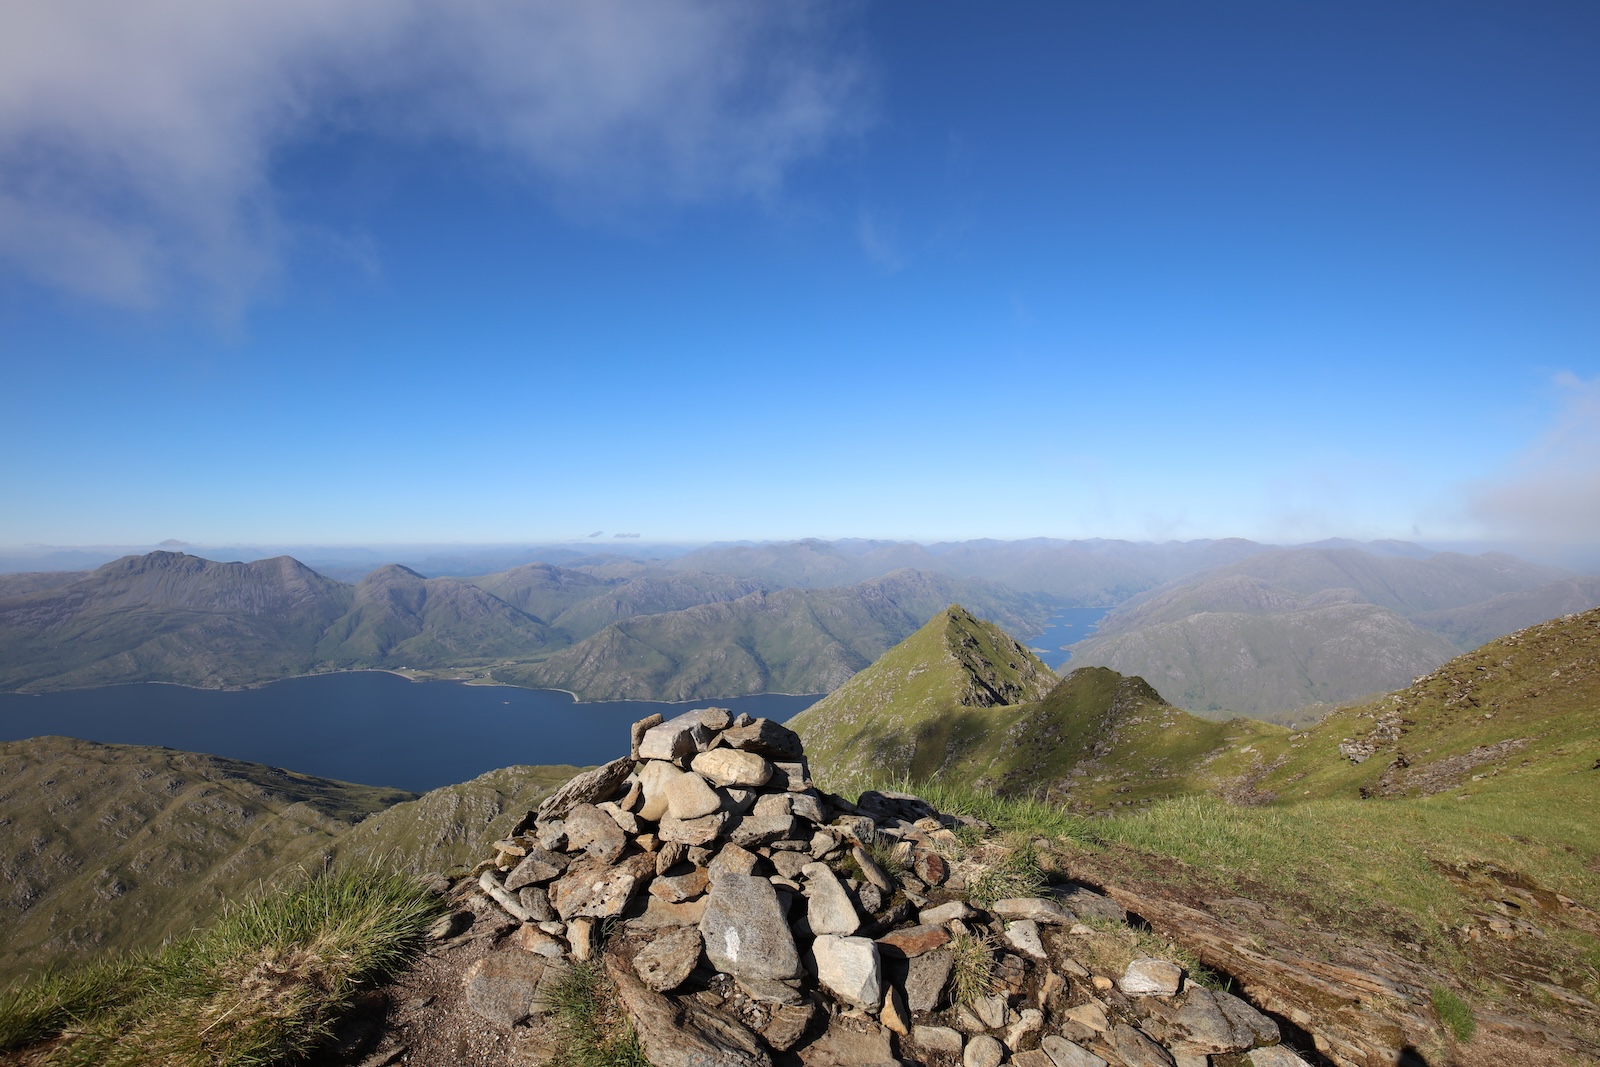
{"x":750,"y":918}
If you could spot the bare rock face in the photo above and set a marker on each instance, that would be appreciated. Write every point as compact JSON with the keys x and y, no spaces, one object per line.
{"x":850,"y":1043}
{"x":683,"y":1032}
{"x":1064,"y":1053}
{"x":745,"y":930}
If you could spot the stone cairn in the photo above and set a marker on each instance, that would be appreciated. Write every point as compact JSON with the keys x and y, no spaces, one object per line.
{"x":745,"y":921}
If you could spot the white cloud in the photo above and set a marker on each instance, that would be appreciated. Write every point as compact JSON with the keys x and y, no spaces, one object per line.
{"x":136,"y":140}
{"x":1551,"y":492}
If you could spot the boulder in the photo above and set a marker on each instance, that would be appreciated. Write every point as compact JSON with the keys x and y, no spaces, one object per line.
{"x":788,"y":1025}
{"x":766,"y":738}
{"x":938,"y":1039}
{"x":638,"y":731}
{"x":590,"y":787}
{"x":680,"y":887}
{"x":914,"y":940}
{"x":745,"y":929}
{"x":688,"y":797}
{"x":943,"y":913}
{"x":654,"y":777}
{"x":598,"y":890}
{"x":733,"y":860}
{"x":1275,"y":1056}
{"x":1087,"y":904}
{"x":882,"y":806}
{"x":871,"y":871}
{"x":755,"y":831}
{"x":849,"y":968}
{"x":732,"y":767}
{"x":680,"y":736}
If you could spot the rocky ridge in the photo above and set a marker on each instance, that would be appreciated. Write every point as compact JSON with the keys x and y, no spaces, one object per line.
{"x":747,"y":918}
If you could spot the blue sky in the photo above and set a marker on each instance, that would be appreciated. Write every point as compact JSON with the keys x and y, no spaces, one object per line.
{"x":405,"y":272}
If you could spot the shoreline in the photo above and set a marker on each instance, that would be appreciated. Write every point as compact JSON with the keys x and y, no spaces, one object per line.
{"x":485,"y":683}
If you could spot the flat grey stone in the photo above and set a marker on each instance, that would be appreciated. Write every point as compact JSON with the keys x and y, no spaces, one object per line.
{"x":1148,"y":976}
{"x":1136,"y":1049}
{"x":849,"y":968}
{"x":595,"y":832}
{"x":772,"y":990}
{"x":788,"y":1025}
{"x":1087,"y":904}
{"x":1064,"y":1053}
{"x":1244,"y":1017}
{"x":701,"y":831}
{"x":766,"y":738}
{"x":537,"y":867}
{"x":689,"y":796}
{"x":939,"y":1039}
{"x":850,"y":1043}
{"x":590,"y":787}
{"x":1038,"y":909}
{"x":536,"y":902}
{"x":732,"y":767}
{"x":790,"y":864}
{"x":808,"y":806}
{"x":1023,"y":935}
{"x":983,"y":1051}
{"x":597,"y":890}
{"x":926,"y":978}
{"x":681,"y":735}
{"x":500,"y":986}
{"x":1275,"y":1056}
{"x":943,"y":913}
{"x":664,"y":963}
{"x":754,"y":831}
{"x":733,"y":860}
{"x":871,"y":871}
{"x":829,"y":908}
{"x":745,"y":929}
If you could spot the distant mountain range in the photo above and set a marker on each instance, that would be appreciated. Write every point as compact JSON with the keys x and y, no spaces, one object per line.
{"x":1221,"y":627}
{"x":171,"y":617}
{"x":1285,"y":629}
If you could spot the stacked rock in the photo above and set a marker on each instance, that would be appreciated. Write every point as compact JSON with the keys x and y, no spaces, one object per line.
{"x":745,"y":915}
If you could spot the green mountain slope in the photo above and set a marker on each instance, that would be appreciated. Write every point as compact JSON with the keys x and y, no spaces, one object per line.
{"x":448,"y":827}
{"x":169,"y":617}
{"x":651,"y":595}
{"x":118,"y":846}
{"x":893,"y":717}
{"x":540,"y":589}
{"x":789,"y":641}
{"x":1093,"y":741}
{"x":400,"y":618}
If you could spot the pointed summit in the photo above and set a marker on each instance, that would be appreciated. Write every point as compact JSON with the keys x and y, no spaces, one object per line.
{"x":894,"y":717}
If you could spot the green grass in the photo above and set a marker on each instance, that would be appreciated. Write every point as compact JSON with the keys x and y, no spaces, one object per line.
{"x":1455,"y":1013}
{"x":972,"y":967}
{"x":589,"y":1024}
{"x":265,"y":985}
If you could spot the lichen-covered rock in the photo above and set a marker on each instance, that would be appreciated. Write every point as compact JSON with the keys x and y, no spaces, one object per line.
{"x":1148,"y":976}
{"x":829,"y":908}
{"x":680,"y":1032}
{"x":732,"y":767}
{"x":664,"y":963}
{"x":590,"y":787}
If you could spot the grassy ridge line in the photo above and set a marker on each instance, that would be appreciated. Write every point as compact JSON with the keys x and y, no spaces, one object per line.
{"x":265,"y":984}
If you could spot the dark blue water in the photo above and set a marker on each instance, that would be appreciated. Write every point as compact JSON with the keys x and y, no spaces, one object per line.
{"x":363,"y":726}
{"x":1067,"y":626}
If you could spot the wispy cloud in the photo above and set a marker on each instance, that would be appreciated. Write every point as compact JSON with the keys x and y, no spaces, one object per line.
{"x":1551,"y":492}
{"x":878,"y":241}
{"x":136,"y":140}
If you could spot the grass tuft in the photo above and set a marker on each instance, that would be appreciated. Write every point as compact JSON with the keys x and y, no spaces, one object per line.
{"x":1009,"y":869}
{"x":972,"y":968}
{"x":591,"y":1028}
{"x":264,"y":985}
{"x":1455,"y":1013}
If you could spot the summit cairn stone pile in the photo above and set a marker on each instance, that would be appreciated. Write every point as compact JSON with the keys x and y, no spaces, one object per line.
{"x":747,"y":918}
